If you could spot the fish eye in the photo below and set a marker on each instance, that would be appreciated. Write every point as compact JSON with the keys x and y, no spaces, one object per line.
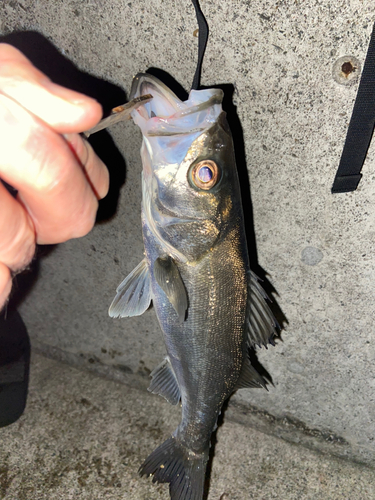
{"x":205,"y":174}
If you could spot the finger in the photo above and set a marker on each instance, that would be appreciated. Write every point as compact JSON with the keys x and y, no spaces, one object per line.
{"x":63,"y":109}
{"x":97,"y":173}
{"x":17,"y":243}
{"x":51,"y":183}
{"x":5,"y":284}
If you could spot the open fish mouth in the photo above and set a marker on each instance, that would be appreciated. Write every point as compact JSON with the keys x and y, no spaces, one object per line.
{"x":166,"y":115}
{"x":165,"y":104}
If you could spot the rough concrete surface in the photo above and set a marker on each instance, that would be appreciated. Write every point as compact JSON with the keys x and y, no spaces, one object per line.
{"x":85,"y":437}
{"x":316,"y":248}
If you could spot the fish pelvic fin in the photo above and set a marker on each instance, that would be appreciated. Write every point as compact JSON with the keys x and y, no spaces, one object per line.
{"x":261,"y":324}
{"x":169,"y":279}
{"x":183,"y":469}
{"x":133,"y":295}
{"x":164,"y":382}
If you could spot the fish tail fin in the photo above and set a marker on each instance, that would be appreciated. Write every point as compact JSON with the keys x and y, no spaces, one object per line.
{"x":183,"y":469}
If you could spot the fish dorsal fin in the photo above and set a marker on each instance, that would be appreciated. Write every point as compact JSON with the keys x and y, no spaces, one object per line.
{"x":164,"y":382}
{"x":169,"y":279}
{"x":261,"y":323}
{"x":133,"y":295}
{"x":249,"y":377}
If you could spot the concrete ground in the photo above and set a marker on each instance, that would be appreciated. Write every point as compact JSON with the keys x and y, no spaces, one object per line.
{"x":84,"y":437}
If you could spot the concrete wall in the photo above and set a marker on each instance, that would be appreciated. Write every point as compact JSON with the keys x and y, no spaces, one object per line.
{"x":316,"y":248}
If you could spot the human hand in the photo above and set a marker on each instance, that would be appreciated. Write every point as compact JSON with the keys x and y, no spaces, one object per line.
{"x":58,"y":177}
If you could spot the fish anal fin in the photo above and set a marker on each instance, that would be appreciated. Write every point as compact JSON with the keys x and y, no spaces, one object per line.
{"x":164,"y":382}
{"x":184,"y":470}
{"x":249,"y":377}
{"x":169,"y":279}
{"x":261,"y":323}
{"x":133,"y":295}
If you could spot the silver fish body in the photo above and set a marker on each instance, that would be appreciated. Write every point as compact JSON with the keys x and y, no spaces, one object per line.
{"x":196,"y":272}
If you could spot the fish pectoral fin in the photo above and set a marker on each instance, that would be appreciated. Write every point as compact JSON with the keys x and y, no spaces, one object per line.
{"x":169,"y":279}
{"x":261,"y":323}
{"x":133,"y":294}
{"x":249,"y":377}
{"x":164,"y":382}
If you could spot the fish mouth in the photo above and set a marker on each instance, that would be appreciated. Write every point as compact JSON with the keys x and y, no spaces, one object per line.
{"x":164,"y":104}
{"x":167,"y":115}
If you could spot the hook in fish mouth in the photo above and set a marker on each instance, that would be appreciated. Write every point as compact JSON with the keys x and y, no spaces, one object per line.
{"x":166,"y":115}
{"x":167,"y":102}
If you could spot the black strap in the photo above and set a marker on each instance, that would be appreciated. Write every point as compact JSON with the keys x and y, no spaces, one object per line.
{"x":202,"y":42}
{"x":361,"y":128}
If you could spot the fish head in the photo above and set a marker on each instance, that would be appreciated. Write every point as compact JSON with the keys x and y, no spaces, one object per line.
{"x":190,"y":183}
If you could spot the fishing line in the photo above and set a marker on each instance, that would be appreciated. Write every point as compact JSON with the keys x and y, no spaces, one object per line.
{"x":202,"y":42}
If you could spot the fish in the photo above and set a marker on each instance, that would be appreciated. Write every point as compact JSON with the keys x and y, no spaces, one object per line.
{"x":210,"y":306}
